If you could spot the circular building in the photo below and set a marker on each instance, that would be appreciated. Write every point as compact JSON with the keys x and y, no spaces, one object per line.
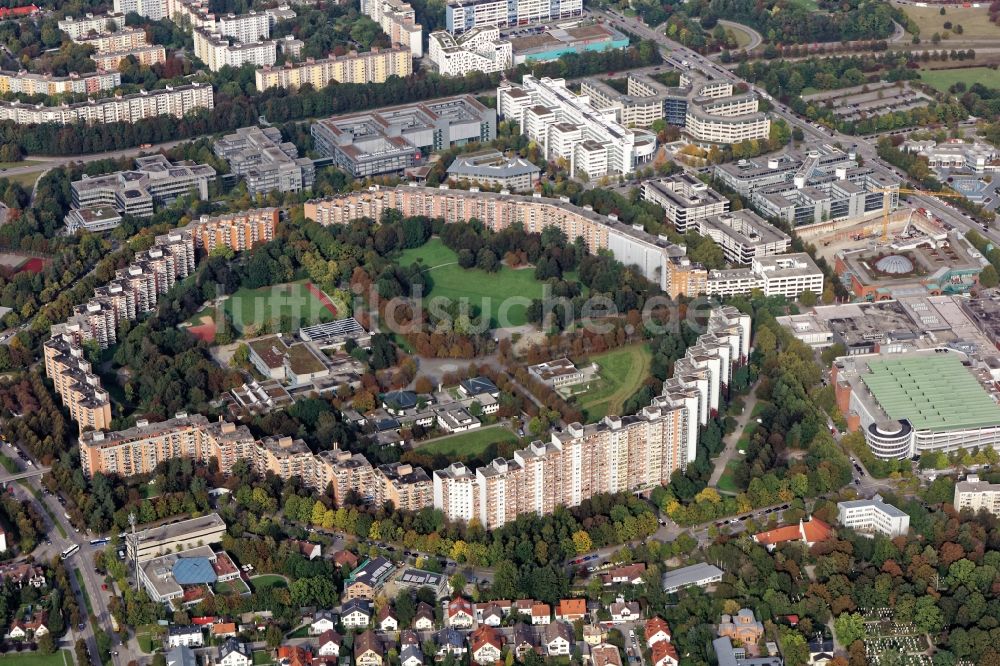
{"x":890,"y":440}
{"x":894,"y":264}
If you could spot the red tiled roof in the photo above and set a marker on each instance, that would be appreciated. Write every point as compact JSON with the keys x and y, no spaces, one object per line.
{"x":814,"y":531}
{"x":223,"y":628}
{"x":572,"y":607}
{"x":656,"y":624}
{"x":663,"y":649}
{"x":296,"y":656}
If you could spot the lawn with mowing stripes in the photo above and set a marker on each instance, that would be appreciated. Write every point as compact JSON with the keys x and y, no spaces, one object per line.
{"x":486,"y":291}
{"x":621,"y":373}
{"x":467,"y":445}
{"x":60,"y":658}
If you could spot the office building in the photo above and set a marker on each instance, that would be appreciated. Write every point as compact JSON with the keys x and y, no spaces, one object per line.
{"x":156,"y":541}
{"x":914,"y":403}
{"x":464,"y":15}
{"x":744,"y":236}
{"x":237,"y":231}
{"x":644,"y":101}
{"x":490,"y":168}
{"x":146,"y":56}
{"x":153,"y":181}
{"x":557,"y":373}
{"x":29,"y":83}
{"x":955,"y":154}
{"x":397,"y":20}
{"x":127,"y":39}
{"x":94,"y":220}
{"x":392,"y":139}
{"x":819,"y":184}
{"x":478,"y":50}
{"x":874,"y":515}
{"x":684,"y":199}
{"x":374,"y":66}
{"x":785,"y":275}
{"x":177,"y":102}
{"x":89,"y":24}
{"x":567,"y":127}
{"x":975,"y":495}
{"x":264,"y":161}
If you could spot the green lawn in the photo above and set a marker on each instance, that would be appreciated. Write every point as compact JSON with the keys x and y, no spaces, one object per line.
{"x":486,"y":291}
{"x":262,"y":657}
{"x":83,"y":589}
{"x":301,"y":632}
{"x":466,"y":445}
{"x":942,"y":79}
{"x":727,"y":482}
{"x":622,"y":372}
{"x":809,"y":5}
{"x":60,"y":658}
{"x":270,"y":304}
{"x":27,"y":180}
{"x":267,"y":581}
{"x":235,"y":586}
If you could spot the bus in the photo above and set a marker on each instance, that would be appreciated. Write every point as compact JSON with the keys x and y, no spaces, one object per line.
{"x":66,"y":554}
{"x":100,"y":542}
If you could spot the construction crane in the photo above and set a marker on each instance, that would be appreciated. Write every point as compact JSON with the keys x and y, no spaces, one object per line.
{"x":887,"y":203}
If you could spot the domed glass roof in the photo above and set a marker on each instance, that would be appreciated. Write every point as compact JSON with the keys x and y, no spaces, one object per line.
{"x":894,"y":264}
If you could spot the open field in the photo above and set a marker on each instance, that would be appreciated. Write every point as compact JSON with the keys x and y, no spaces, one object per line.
{"x":487,"y":291}
{"x":806,"y":4}
{"x":743,"y":37}
{"x":621,"y":371}
{"x":301,"y":301}
{"x":27,"y":180}
{"x":975,"y":21}
{"x":468,"y":445}
{"x":942,"y":79}
{"x":60,"y":658}
{"x":268,"y":581}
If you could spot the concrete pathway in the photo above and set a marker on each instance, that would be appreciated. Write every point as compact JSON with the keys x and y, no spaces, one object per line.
{"x":732,"y":438}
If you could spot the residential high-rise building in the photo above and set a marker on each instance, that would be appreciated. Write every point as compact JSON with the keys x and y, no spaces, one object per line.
{"x":237,"y":231}
{"x":976,"y":495}
{"x":409,"y":488}
{"x":463,"y":15}
{"x":154,"y":10}
{"x":397,"y":20}
{"x":127,"y":39}
{"x":29,"y":83}
{"x":373,"y":66}
{"x":146,"y":56}
{"x":177,"y":102}
{"x":218,"y":51}
{"x":455,"y":491}
{"x":89,"y":24}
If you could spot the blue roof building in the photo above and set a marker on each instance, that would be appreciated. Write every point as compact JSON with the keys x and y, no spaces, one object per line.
{"x":193,"y":571}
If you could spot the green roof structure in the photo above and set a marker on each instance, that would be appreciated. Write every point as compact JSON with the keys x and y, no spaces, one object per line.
{"x":932,"y":392}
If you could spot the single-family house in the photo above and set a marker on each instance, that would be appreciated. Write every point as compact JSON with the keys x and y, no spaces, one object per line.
{"x":605,"y":654}
{"x":223,"y":630}
{"x":449,"y":641}
{"x":185,"y":635}
{"x":624,"y":611}
{"x":367,"y":649}
{"x":571,"y":610}
{"x":322,"y":621}
{"x":387,"y":619}
{"x":328,"y":644}
{"x":294,"y":655}
{"x":307,"y":549}
{"x":523,"y":640}
{"x":33,"y":625}
{"x":558,"y":639}
{"x":541,"y":613}
{"x":356,"y":613}
{"x":664,"y":654}
{"x":411,"y":655}
{"x":423,"y":618}
{"x":235,"y":652}
{"x":345,"y":559}
{"x":460,"y":613}
{"x":593,"y":634}
{"x":491,"y":613}
{"x":487,"y":643}
{"x":630,"y":574}
{"x":657,"y":630}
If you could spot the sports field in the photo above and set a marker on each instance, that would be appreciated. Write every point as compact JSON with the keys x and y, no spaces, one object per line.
{"x":302,"y":301}
{"x":943,"y":79}
{"x":466,"y":445}
{"x":621,"y":373}
{"x":490,"y":292}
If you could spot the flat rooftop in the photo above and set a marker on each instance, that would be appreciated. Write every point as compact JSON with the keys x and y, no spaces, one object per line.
{"x":931,"y":391}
